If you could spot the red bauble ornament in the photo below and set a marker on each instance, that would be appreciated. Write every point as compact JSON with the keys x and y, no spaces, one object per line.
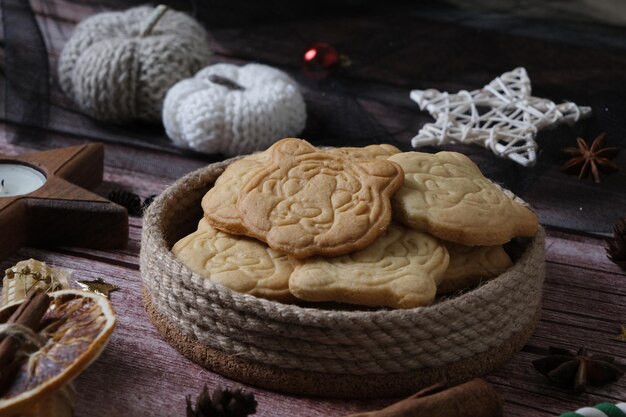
{"x":320,"y":59}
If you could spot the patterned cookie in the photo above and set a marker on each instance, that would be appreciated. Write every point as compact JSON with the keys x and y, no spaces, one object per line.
{"x":220,"y":202}
{"x":382,"y":151}
{"x":236,"y":262}
{"x":307,"y":202}
{"x":446,"y":195}
{"x":469,"y":265}
{"x":400,"y":270}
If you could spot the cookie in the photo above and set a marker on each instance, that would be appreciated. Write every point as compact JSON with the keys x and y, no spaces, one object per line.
{"x":220,"y":202}
{"x":470,"y":265}
{"x":239,"y":263}
{"x":381,"y":151}
{"x":399,"y":270}
{"x":306,"y":201}
{"x":446,"y":195}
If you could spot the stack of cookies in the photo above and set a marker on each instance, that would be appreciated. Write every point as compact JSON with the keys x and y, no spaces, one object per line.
{"x":367,"y":226}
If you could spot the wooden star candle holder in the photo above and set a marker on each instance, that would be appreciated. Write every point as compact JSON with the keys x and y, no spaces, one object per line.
{"x":44,"y":201}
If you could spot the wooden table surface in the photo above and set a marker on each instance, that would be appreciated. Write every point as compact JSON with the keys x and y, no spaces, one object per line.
{"x":392,"y":51}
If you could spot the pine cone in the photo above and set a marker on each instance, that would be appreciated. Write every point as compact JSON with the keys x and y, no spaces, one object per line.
{"x":223,"y":403}
{"x":617,"y":247}
{"x":127,"y":199}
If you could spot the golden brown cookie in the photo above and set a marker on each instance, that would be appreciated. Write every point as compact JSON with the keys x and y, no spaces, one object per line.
{"x":400,"y":270}
{"x":239,"y":263}
{"x":307,"y":202}
{"x":220,"y":202}
{"x":470,"y":265}
{"x":381,"y":151}
{"x":446,"y":195}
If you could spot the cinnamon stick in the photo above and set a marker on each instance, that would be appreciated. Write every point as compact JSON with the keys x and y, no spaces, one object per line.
{"x":28,"y":314}
{"x":475,"y":398}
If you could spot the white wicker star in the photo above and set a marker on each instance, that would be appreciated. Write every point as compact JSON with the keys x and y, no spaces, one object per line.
{"x":502,"y":116}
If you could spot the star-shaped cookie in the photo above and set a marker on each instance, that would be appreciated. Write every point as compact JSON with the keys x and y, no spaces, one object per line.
{"x":503,"y":116}
{"x":471,"y":265}
{"x":446,"y":195}
{"x":237,"y":262}
{"x":306,"y":201}
{"x":401,"y":269}
{"x":220,"y":202}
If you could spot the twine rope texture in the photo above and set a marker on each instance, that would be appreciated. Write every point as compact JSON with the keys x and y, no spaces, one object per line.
{"x":22,"y":333}
{"x":508,"y":126}
{"x":309,"y":339}
{"x":30,"y":341}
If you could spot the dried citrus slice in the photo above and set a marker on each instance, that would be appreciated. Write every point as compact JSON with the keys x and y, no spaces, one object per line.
{"x":76,"y":327}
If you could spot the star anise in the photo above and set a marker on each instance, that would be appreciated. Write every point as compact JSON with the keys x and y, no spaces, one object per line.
{"x":594,"y":159}
{"x":617,"y":246}
{"x":222,"y":403}
{"x":575,"y":372}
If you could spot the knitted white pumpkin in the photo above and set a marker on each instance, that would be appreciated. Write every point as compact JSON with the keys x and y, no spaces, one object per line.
{"x":233,"y":110}
{"x":118,"y":65}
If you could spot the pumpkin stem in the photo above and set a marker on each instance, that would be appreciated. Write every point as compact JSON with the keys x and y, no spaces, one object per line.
{"x":226,"y":82}
{"x":153,"y":19}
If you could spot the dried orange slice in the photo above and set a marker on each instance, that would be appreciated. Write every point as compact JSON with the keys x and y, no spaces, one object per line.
{"x":76,"y":327}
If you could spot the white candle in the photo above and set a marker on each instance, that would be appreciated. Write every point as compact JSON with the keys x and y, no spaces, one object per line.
{"x":19,"y":179}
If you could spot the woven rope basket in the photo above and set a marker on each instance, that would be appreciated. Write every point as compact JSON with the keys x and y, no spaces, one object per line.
{"x":327,"y":352}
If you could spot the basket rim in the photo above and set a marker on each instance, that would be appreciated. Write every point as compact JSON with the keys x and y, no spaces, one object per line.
{"x":330,"y":384}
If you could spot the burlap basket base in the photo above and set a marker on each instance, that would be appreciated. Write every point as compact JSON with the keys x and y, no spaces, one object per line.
{"x":331,"y":385}
{"x":328,"y":352}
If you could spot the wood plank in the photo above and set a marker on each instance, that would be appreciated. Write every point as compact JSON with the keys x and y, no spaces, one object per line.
{"x":581,"y":251}
{"x":159,"y":167}
{"x":144,"y":374}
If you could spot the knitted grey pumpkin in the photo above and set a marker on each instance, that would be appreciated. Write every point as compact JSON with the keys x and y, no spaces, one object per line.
{"x":117,"y":66}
